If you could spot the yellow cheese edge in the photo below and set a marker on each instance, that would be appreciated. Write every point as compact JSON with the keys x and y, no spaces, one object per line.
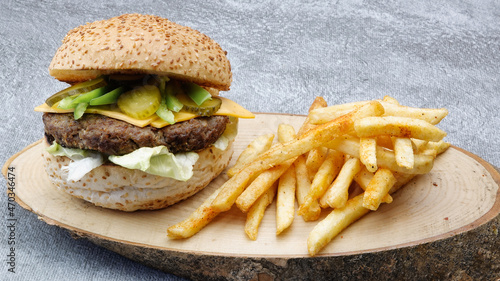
{"x":228,"y":107}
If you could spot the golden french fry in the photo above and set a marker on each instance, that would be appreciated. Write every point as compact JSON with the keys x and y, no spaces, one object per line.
{"x":364,"y":177}
{"x":418,"y":145}
{"x":256,"y":212}
{"x":385,"y":158}
{"x":390,"y":99}
{"x":431,"y":115}
{"x":435,"y":148}
{"x":378,"y":188}
{"x":286,"y":133}
{"x":403,"y":151}
{"x":326,"y":114}
{"x":368,"y":153}
{"x":316,"y":155}
{"x":398,"y":127}
{"x":313,"y":212}
{"x":196,"y":220}
{"x":384,"y":141}
{"x":316,"y":137}
{"x":318,"y":102}
{"x":323,"y":178}
{"x":334,"y":223}
{"x":285,"y":200}
{"x":338,"y":193}
{"x":253,"y":150}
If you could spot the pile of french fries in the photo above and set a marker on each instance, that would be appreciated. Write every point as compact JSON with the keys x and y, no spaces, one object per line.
{"x":345,"y":159}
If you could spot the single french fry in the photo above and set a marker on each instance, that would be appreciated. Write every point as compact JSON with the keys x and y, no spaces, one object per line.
{"x":338,"y":193}
{"x":368,"y":153}
{"x":431,"y":115}
{"x":196,"y":220}
{"x":316,"y":155}
{"x":418,"y":145}
{"x":314,"y":159}
{"x":435,"y":148}
{"x":385,"y":158}
{"x":253,"y":150}
{"x":318,"y":102}
{"x":303,"y":186}
{"x":390,"y":99}
{"x":256,"y":212}
{"x":316,"y":137}
{"x":285,"y":200}
{"x":286,"y":133}
{"x":403,"y":151}
{"x":334,"y":223}
{"x":378,"y":188}
{"x":326,"y":114}
{"x":384,"y":141}
{"x":364,"y":177}
{"x":322,"y":180}
{"x":403,"y":127}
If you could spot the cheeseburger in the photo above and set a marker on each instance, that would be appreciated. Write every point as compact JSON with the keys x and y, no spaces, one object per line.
{"x":141,"y":125}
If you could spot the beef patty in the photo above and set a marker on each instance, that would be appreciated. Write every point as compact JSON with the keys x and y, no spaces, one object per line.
{"x":114,"y":137}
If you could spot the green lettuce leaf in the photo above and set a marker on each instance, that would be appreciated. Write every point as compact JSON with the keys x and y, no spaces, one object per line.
{"x":159,"y":161}
{"x":83,"y":161}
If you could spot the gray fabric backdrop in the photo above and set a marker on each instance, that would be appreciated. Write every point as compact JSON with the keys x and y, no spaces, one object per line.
{"x":283,"y":54}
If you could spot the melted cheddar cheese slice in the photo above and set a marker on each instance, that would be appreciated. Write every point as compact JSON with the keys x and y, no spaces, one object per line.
{"x":228,"y":107}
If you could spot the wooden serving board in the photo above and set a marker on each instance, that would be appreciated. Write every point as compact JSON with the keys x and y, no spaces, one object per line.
{"x":435,"y":221}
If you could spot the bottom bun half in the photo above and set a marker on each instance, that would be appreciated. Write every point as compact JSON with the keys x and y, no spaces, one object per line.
{"x":115,"y":187}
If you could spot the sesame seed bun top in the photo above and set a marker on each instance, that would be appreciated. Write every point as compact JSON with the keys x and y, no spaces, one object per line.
{"x":134,"y":43}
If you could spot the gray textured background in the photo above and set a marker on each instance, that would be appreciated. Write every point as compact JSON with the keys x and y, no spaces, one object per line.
{"x":283,"y":54}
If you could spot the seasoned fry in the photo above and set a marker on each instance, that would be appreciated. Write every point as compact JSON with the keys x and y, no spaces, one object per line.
{"x":256,"y":212}
{"x":390,"y":99}
{"x":368,"y":153}
{"x":385,"y":158}
{"x":378,"y":188}
{"x":403,"y":127}
{"x":313,"y":212}
{"x":334,"y":223}
{"x":364,"y":177}
{"x":319,"y":136}
{"x":431,"y":115}
{"x":326,"y":114}
{"x":318,"y":102}
{"x":435,"y":148}
{"x":322,"y":180}
{"x":285,"y":200}
{"x":196,"y":220}
{"x":315,"y":158}
{"x":403,"y":151}
{"x":337,"y":194}
{"x":253,"y":150}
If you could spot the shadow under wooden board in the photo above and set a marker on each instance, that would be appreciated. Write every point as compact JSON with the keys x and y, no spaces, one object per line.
{"x":440,"y":225}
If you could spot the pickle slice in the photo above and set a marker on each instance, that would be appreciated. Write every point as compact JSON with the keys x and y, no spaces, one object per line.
{"x":208,"y":108}
{"x":140,"y":102}
{"x":76,"y":89}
